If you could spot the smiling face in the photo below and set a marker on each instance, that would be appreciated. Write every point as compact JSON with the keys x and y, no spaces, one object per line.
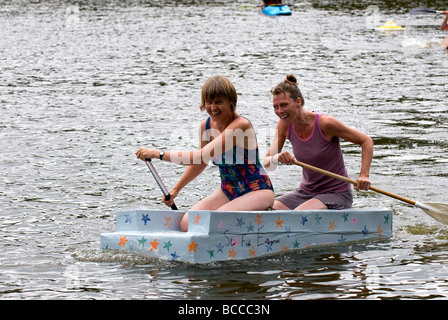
{"x":219,"y":107}
{"x":285,"y":107}
{"x":216,"y":91}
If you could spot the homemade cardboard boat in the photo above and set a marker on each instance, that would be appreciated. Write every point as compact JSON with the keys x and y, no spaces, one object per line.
{"x":218,"y":235}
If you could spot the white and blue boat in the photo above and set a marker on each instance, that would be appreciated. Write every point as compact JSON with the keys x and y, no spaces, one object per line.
{"x":219,"y":236}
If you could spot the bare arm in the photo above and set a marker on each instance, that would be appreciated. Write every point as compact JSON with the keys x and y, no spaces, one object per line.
{"x":222,"y":142}
{"x":275,"y":154}
{"x":332,"y":127}
{"x":444,"y":23}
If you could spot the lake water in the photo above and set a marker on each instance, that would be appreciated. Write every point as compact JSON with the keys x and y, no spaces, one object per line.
{"x":84,"y":84}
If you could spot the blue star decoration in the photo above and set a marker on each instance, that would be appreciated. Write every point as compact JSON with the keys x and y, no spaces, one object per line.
{"x":219,"y":246}
{"x":174,"y":256}
{"x":240,"y":222}
{"x":342,"y":239}
{"x":304,"y":220}
{"x":127,"y":218}
{"x":268,"y":247}
{"x":145,"y":218}
{"x":365,"y":231}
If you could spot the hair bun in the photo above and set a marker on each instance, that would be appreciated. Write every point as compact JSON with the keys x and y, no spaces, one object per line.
{"x":291,"y":79}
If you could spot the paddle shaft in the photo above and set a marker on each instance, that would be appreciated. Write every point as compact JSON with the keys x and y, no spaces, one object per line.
{"x":159,"y":182}
{"x":339,"y":177}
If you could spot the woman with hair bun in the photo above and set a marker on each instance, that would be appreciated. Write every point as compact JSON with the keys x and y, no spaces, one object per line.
{"x":315,"y":141}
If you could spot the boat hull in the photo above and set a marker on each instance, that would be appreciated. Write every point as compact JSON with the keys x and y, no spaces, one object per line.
{"x":283,"y":10}
{"x":218,"y":236}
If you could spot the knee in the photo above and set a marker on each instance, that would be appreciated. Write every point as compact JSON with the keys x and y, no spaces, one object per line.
{"x":184,"y":223}
{"x":267,"y":200}
{"x":280,"y":206}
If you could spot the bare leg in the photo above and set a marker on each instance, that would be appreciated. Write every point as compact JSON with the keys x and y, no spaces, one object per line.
{"x":212,"y":202}
{"x":312,"y":204}
{"x":254,"y":200}
{"x":280,"y":206}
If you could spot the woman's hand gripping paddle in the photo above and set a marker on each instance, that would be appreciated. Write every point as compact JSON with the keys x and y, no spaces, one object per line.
{"x":159,"y":182}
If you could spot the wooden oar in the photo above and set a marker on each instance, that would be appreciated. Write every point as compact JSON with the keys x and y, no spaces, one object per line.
{"x":159,"y":182}
{"x":424,"y":10}
{"x":438,"y":211}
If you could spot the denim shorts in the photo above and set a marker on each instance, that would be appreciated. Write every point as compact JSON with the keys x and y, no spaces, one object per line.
{"x":333,"y":200}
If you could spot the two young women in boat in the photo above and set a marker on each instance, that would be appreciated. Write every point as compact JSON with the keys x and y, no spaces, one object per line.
{"x":229,"y":140}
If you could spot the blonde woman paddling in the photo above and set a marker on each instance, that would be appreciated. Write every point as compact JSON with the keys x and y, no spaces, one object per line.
{"x":227,"y":139}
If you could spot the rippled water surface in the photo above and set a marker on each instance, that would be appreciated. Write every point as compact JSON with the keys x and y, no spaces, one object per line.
{"x":83,"y":85}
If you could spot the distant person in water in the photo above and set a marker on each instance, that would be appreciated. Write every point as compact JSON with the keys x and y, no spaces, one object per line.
{"x":265,"y":3}
{"x":444,"y":27}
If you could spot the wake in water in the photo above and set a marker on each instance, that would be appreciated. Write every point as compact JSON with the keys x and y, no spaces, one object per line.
{"x":410,"y":42}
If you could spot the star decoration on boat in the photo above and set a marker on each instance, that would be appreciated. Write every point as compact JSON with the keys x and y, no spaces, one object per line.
{"x":154,"y":244}
{"x":258,"y":220}
{"x":279,"y":223}
{"x":192,"y":246}
{"x":240,"y":222}
{"x":167,"y":245}
{"x":142,"y":241}
{"x":168,"y":222}
{"x":196,"y":219}
{"x":304,"y":220}
{"x":123,"y":241}
{"x":232,"y":253}
{"x":252,"y":252}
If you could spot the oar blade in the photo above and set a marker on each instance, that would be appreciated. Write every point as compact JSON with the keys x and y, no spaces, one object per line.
{"x":438,"y":211}
{"x":422,"y":10}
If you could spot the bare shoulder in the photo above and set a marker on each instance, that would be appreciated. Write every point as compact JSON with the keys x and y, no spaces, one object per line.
{"x":327,"y":122}
{"x":241,"y":123}
{"x":331,"y":126}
